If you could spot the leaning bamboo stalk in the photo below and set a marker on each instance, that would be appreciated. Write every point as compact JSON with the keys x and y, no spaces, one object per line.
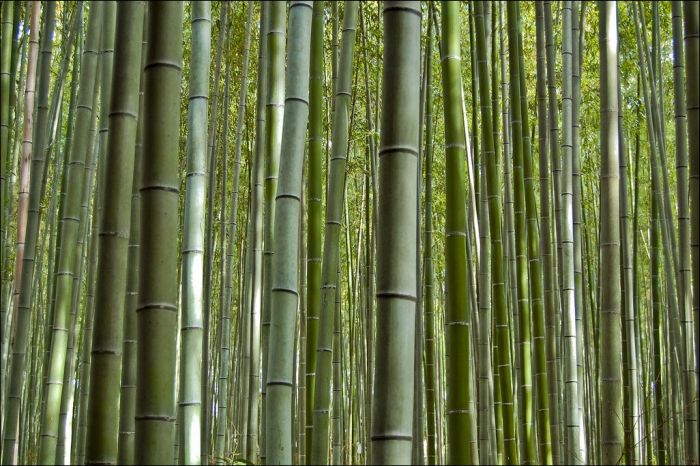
{"x":428,"y":265}
{"x":66,"y":264}
{"x":127,"y":401}
{"x":633,"y":422}
{"x":334,"y":202}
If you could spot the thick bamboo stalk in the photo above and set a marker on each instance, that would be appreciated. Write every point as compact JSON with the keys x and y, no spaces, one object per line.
{"x":157,"y":308}
{"x":610,"y":319}
{"x":684,"y":266}
{"x":103,"y":431}
{"x":274,"y":114}
{"x":461,"y":437}
{"x":691,"y":25}
{"x":392,"y":417}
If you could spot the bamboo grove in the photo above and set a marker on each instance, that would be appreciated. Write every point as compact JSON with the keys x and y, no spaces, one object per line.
{"x":314,"y":232}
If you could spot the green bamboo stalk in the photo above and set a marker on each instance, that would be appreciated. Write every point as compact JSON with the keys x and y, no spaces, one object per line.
{"x":93,"y":174}
{"x":94,"y":171}
{"x":397,"y":219}
{"x":223,"y":227}
{"x":371,"y":222}
{"x":507,"y":359}
{"x":486,"y":407}
{"x":209,"y":245}
{"x":127,"y":404}
{"x":633,"y":422}
{"x":684,"y":266}
{"x":428,"y":265}
{"x":657,"y":145}
{"x":535,"y":269}
{"x":458,"y":333}
{"x":657,"y":137}
{"x":10,"y":49}
{"x":495,"y":395}
{"x":254,"y":253}
{"x":274,"y":113}
{"x":21,"y":304}
{"x":222,"y":411}
{"x":283,"y":267}
{"x":27,"y":149}
{"x":691,"y":25}
{"x":193,"y":241}
{"x":105,"y":372}
{"x":659,"y":430}
{"x":579,"y":8}
{"x":554,"y":365}
{"x":300,"y":369}
{"x":66,"y":264}
{"x":573,"y":443}
{"x":337,"y":389}
{"x":520,"y":132}
{"x":545,"y":236}
{"x":334,"y":202}
{"x":6,"y":47}
{"x":157,"y":308}
{"x":55,"y":250}
{"x":418,"y":431}
{"x":509,"y":250}
{"x":18,"y":68}
{"x":314,"y":191}
{"x":610,"y":320}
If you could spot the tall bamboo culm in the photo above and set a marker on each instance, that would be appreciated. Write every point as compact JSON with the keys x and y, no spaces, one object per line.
{"x":331,"y":242}
{"x":392,"y":405}
{"x":66,"y":263}
{"x":102,"y":431}
{"x":284,"y":263}
{"x":191,"y":371}
{"x":610,"y":318}
{"x":160,"y":183}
